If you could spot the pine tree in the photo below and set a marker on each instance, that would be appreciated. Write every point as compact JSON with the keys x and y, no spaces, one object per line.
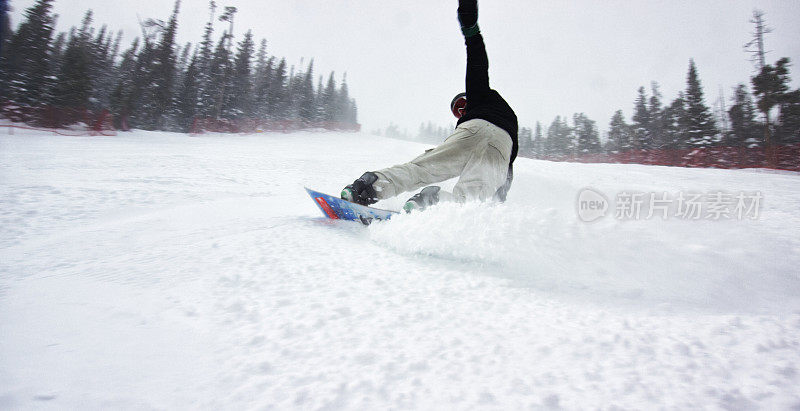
{"x":123,"y":97}
{"x":157,"y":84}
{"x":620,"y":135}
{"x":675,"y":124}
{"x":744,"y":129}
{"x":226,"y":97}
{"x":700,"y":128}
{"x":586,"y":134}
{"x":206,"y":96}
{"x":28,"y":68}
{"x":188,"y":95}
{"x":57,"y":50}
{"x":219,"y":72}
{"x":789,"y":121}
{"x":74,"y":85}
{"x":308,"y":112}
{"x":352,"y":114}
{"x":115,"y":47}
{"x":343,"y":103}
{"x":280,"y":105}
{"x":102,"y":71}
{"x":183,"y":62}
{"x":657,"y":121}
{"x":263,"y":79}
{"x":525,"y":139}
{"x":770,"y":87}
{"x":242,"y":90}
{"x":538,"y":142}
{"x":162,"y":75}
{"x":329,"y":99}
{"x":430,"y":133}
{"x":559,"y":138}
{"x":5,"y":36}
{"x":139,"y":96}
{"x":319,"y":100}
{"x":641,"y":122}
{"x":5,"y":25}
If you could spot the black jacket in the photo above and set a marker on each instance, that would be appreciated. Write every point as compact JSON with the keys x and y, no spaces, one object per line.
{"x":483,"y":102}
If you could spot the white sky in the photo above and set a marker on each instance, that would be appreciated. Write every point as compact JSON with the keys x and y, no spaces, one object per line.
{"x":405,"y":60}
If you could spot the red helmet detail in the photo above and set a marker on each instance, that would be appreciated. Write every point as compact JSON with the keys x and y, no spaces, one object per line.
{"x":459,"y":105}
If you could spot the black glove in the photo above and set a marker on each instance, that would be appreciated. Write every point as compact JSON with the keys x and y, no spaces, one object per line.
{"x":361,"y":191}
{"x":468,"y":17}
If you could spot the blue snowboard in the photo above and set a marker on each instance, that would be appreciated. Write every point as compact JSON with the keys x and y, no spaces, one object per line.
{"x":337,"y":209}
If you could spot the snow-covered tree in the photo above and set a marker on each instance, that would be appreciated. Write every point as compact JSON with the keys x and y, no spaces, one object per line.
{"x":770,"y":87}
{"x":74,"y":85}
{"x":5,"y":37}
{"x":641,"y":121}
{"x":125,"y":94}
{"x":280,"y":102}
{"x":219,"y":76}
{"x":788,"y":131}
{"x":28,"y":69}
{"x":344,"y":113}
{"x":675,"y":123}
{"x":5,"y":25}
{"x":525,"y":139}
{"x":329,"y":99}
{"x":744,"y":129}
{"x":305,"y":95}
{"x":657,"y":121}
{"x":620,"y":134}
{"x":103,"y":69}
{"x":559,"y":137}
{"x":162,"y":74}
{"x":700,"y":129}
{"x":242,"y":90}
{"x":538,"y":142}
{"x":186,"y":106}
{"x":261,"y":82}
{"x":157,"y":84}
{"x":205,"y":93}
{"x":586,"y":134}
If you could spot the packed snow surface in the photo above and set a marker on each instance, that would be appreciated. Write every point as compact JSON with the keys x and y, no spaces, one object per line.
{"x":165,"y":271}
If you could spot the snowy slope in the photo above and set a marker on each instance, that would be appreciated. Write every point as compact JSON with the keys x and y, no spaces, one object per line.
{"x":157,"y":270}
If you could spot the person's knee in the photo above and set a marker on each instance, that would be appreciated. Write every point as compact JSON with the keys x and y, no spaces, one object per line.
{"x":384,"y":187}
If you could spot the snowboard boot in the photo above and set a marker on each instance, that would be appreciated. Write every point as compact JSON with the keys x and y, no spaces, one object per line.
{"x":361,"y":191}
{"x":422,"y":200}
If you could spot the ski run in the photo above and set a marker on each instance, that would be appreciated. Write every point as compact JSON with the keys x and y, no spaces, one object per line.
{"x":164,"y":271}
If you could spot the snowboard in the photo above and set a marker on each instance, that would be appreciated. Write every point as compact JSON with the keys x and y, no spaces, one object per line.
{"x":337,"y":209}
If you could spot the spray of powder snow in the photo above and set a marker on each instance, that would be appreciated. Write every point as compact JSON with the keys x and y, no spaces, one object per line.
{"x":659,"y":264}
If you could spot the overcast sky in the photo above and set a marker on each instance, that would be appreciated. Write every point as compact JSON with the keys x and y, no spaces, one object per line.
{"x":405,"y":60}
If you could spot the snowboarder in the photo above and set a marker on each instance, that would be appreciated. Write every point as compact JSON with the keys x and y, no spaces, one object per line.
{"x":480,"y":152}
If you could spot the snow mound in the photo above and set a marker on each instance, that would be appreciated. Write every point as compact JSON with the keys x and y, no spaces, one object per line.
{"x":471,"y":232}
{"x":660,"y":265}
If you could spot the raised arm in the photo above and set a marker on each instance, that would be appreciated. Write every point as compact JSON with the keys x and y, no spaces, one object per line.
{"x":477,"y":79}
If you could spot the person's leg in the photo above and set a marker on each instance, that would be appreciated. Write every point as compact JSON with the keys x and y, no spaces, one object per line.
{"x":486,"y":169}
{"x":442,"y":163}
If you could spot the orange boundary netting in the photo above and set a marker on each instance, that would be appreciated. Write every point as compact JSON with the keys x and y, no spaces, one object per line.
{"x":251,"y":125}
{"x":784,"y":157}
{"x":58,"y":120}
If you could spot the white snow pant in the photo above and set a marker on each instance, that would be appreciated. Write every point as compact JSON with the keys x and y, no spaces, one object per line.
{"x":477,"y":152}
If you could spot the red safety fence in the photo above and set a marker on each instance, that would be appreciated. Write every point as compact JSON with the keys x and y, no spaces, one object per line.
{"x":251,"y":125}
{"x":66,"y":121}
{"x":785,"y":157}
{"x":81,"y":121}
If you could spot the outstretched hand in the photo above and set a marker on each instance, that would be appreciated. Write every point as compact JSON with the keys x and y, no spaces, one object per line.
{"x":468,"y":13}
